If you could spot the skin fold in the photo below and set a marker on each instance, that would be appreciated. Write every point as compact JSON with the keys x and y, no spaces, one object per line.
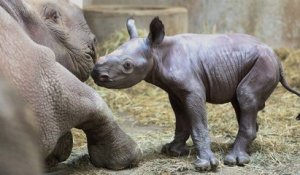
{"x":194,"y":69}
{"x":35,"y":57}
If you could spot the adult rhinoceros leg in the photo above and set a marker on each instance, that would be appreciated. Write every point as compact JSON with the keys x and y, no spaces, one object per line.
{"x":252,"y":93}
{"x":108,"y":145}
{"x":182,"y":131}
{"x":61,"y":151}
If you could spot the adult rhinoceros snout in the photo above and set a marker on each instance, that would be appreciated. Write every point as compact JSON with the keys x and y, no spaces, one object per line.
{"x":93,"y":38}
{"x":92,"y":47}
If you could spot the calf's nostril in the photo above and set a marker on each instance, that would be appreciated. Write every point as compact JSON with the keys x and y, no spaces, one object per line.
{"x":103,"y":77}
{"x":98,"y":76}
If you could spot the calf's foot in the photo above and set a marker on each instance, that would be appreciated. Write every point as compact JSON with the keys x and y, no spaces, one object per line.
{"x":237,"y":158}
{"x":206,"y":162}
{"x":175,"y":149}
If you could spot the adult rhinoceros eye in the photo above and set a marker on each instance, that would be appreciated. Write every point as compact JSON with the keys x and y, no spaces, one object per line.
{"x":52,"y":15}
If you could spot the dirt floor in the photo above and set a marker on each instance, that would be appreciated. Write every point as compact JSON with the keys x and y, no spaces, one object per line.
{"x":144,"y":112}
{"x":276,"y":149}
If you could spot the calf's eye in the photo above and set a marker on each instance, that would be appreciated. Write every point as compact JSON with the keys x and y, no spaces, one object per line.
{"x":128,"y":66}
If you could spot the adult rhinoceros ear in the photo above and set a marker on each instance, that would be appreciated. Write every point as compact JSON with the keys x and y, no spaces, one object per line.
{"x":157,"y":31}
{"x":130,"y":24}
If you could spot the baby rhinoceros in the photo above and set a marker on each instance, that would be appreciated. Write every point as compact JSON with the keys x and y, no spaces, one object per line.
{"x":194,"y":69}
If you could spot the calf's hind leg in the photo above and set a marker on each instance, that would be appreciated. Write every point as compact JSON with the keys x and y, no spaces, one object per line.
{"x":237,"y":110}
{"x":251,"y":95}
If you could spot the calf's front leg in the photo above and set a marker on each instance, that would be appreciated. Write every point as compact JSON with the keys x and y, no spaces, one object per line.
{"x":182,"y":131}
{"x":194,"y":103}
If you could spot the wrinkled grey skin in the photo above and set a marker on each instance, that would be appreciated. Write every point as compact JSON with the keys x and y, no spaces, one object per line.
{"x":58,"y":98}
{"x":64,"y":30}
{"x":194,"y":69}
{"x":19,"y":147}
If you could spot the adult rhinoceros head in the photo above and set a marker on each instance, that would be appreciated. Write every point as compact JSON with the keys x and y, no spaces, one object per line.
{"x":70,"y":37}
{"x":59,"y":25}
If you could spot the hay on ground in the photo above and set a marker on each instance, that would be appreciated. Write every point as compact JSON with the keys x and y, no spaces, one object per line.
{"x":283,"y":52}
{"x":292,"y":68}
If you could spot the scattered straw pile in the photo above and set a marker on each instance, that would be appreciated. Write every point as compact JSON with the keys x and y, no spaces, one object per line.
{"x":115,"y":41}
{"x":292,"y":67}
{"x":283,"y":53}
{"x":276,"y":149}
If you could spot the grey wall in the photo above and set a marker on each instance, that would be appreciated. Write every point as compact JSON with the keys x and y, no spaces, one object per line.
{"x":276,"y":22}
{"x":104,"y":20}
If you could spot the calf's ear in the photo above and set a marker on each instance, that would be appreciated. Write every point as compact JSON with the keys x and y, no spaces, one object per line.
{"x":298,"y":117}
{"x":130,"y":24}
{"x":157,"y":32}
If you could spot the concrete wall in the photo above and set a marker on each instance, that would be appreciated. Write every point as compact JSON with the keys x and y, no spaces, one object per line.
{"x":276,"y":22}
{"x":104,"y":20}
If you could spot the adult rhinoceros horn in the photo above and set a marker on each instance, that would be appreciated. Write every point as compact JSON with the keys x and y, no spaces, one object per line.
{"x":131,"y":28}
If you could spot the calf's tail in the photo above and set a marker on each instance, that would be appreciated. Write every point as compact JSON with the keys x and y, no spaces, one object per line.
{"x":285,"y":84}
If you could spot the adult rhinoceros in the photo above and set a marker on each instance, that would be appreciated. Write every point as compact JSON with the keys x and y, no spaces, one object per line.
{"x":19,"y":147}
{"x":39,"y":40}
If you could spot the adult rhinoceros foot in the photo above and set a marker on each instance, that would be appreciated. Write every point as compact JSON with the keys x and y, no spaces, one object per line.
{"x":61,"y":151}
{"x":110,"y":147}
{"x":119,"y":154}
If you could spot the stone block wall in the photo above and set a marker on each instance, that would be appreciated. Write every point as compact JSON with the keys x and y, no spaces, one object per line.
{"x":276,"y":22}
